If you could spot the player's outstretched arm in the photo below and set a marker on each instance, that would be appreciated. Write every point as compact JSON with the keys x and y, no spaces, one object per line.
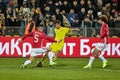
{"x":71,"y":29}
{"x":48,"y":38}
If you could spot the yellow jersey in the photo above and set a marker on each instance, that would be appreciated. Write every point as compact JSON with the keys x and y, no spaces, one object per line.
{"x":61,"y":33}
{"x":59,"y":36}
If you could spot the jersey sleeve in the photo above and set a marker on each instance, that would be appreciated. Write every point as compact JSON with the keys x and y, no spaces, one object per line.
{"x":66,"y":29}
{"x":28,"y":35}
{"x":48,"y":38}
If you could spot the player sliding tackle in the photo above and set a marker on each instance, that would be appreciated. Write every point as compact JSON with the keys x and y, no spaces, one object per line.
{"x":38,"y":36}
{"x":102,"y":44}
{"x":55,"y":48}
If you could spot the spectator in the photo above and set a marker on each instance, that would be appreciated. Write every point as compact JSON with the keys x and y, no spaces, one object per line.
{"x":87,"y":25}
{"x":47,"y":11}
{"x":99,"y":5}
{"x":53,"y":18}
{"x":65,"y":20}
{"x":14,"y":3}
{"x":30,"y":27}
{"x":58,"y":15}
{"x":111,"y":22}
{"x":75,"y":6}
{"x":41,"y":21}
{"x":87,"y":22}
{"x":35,"y":15}
{"x":23,"y":22}
{"x":2,"y":7}
{"x":117,"y":21}
{"x":26,"y":10}
{"x":1,"y":31}
{"x":118,"y":5}
{"x":82,"y":4}
{"x":91,"y":7}
{"x":50,"y":29}
{"x":16,"y":12}
{"x":81,"y":15}
{"x":72,"y":17}
{"x":57,"y":5}
{"x":31,"y":3}
{"x":90,"y":14}
{"x":20,"y":2}
{"x":65,"y":6}
{"x":52,"y":6}
{"x":2,"y":18}
{"x":9,"y":12}
{"x":77,"y":24}
{"x":58,"y":10}
{"x":96,"y":24}
{"x":40,"y":3}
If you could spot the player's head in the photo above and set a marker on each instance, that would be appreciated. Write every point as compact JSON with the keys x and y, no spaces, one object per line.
{"x":57,"y":24}
{"x":103,"y":18}
{"x":40,"y":28}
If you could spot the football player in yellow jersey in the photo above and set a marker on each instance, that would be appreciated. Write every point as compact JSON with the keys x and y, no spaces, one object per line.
{"x":55,"y":48}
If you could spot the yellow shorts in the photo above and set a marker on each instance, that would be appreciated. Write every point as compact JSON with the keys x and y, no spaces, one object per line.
{"x":55,"y":47}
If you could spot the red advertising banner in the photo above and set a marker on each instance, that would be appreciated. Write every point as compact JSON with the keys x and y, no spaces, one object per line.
{"x":73,"y":47}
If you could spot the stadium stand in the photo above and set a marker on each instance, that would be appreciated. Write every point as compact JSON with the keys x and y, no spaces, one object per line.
{"x":82,"y":14}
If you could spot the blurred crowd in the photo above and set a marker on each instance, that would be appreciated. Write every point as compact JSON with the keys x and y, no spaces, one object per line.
{"x":72,"y":13}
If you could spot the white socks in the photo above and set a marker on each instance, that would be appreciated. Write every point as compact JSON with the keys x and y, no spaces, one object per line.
{"x":27,"y":62}
{"x":102,"y":58}
{"x":91,"y":60}
{"x":50,"y":55}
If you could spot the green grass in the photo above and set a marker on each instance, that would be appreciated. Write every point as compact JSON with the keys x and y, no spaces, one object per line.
{"x":66,"y":69}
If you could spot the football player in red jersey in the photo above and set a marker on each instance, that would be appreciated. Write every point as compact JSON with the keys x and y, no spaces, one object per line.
{"x":38,"y":36}
{"x":102,"y":44}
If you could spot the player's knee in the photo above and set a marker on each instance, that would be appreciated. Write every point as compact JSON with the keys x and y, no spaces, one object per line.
{"x":95,"y":52}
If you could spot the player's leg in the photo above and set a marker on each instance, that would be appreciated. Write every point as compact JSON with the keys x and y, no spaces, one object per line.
{"x":40,"y":63}
{"x":46,"y":54}
{"x":50,"y":56}
{"x":27,"y":62}
{"x":101,"y":47}
{"x":92,"y":57}
{"x":30,"y":60}
{"x":44,"y":57}
{"x":51,"y":53}
{"x":96,"y":52}
{"x":43,"y":50}
{"x":55,"y":55}
{"x":103,"y":60}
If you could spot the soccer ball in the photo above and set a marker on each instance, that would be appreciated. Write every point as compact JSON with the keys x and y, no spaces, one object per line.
{"x":39,"y":64}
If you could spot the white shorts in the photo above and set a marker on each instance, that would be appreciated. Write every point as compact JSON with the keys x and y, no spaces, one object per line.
{"x":36,"y":51}
{"x":101,"y":46}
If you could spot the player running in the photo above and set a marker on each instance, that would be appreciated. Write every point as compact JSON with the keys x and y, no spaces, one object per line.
{"x":102,"y":44}
{"x":55,"y":48}
{"x":38,"y":36}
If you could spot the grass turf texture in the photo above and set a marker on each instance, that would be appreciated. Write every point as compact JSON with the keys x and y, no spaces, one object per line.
{"x":66,"y":69}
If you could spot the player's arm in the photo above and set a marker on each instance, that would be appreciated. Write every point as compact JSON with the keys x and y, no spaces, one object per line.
{"x":71,"y":29}
{"x":48,"y":38}
{"x":28,"y":35}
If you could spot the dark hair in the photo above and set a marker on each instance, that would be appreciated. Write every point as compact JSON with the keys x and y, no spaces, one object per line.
{"x":57,"y":21}
{"x":104,"y":18}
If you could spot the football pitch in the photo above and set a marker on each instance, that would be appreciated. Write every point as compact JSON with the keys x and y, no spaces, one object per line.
{"x":65,"y":69}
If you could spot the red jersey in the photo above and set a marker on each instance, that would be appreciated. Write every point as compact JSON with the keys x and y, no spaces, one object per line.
{"x":38,"y":36}
{"x":104,"y":32}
